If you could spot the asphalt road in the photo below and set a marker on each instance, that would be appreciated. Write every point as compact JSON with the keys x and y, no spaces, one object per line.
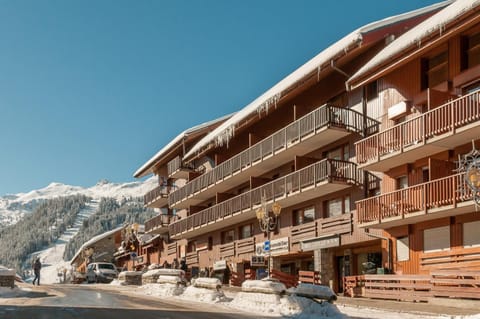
{"x":97,"y":301}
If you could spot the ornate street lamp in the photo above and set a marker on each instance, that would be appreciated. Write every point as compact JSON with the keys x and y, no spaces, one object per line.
{"x":268,"y":223}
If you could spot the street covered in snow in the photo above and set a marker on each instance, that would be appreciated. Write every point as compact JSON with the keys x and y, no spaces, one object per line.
{"x":255,"y":299}
{"x":176,"y":301}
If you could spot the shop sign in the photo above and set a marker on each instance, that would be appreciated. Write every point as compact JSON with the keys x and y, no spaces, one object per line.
{"x":220,"y":265}
{"x":277,"y":247}
{"x":257,"y":261}
{"x":320,"y":243}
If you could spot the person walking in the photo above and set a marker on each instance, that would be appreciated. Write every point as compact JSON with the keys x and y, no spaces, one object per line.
{"x":37,"y":265}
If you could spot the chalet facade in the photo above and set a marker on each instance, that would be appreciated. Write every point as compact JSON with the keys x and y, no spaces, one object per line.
{"x":100,"y":248}
{"x":427,"y":101}
{"x":294,"y":146}
{"x":426,"y":95}
{"x":157,"y":247}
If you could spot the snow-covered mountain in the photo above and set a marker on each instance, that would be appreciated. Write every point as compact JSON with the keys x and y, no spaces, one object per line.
{"x":14,"y":206}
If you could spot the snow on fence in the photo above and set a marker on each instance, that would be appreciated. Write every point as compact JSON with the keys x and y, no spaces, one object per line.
{"x":7,"y":277}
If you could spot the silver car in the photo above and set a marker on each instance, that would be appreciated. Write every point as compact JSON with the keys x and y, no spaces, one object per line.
{"x":101,"y":272}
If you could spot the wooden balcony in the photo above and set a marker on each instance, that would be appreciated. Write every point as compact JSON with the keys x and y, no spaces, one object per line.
{"x":452,"y":124}
{"x":303,"y":232}
{"x":245,"y":246}
{"x":338,"y":225}
{"x":159,"y":224}
{"x":191,"y":258}
{"x":157,"y":197}
{"x":319,"y":179}
{"x":172,"y":248}
{"x":227,"y":250}
{"x":177,"y":169}
{"x":435,"y":199}
{"x":325,"y":226}
{"x":318,"y":128}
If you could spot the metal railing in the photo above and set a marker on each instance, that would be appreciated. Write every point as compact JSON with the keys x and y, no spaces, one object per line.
{"x":311,"y":176}
{"x":443,"y":119}
{"x":324,"y":116}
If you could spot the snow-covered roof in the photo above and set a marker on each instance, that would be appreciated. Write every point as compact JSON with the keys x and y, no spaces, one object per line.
{"x":436,"y":23}
{"x":144,"y":169}
{"x":222,"y":134}
{"x":95,"y":239}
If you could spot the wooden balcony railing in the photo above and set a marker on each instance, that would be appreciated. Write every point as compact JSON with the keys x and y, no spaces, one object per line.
{"x":443,"y":119}
{"x":172,"y":248}
{"x":326,"y":170}
{"x":159,"y":221}
{"x":155,"y":194}
{"x":244,"y":246}
{"x":177,"y":164}
{"x":191,"y":258}
{"x":312,"y":123}
{"x":227,"y":250}
{"x":303,"y":231}
{"x":336,"y":225}
{"x":422,"y":197}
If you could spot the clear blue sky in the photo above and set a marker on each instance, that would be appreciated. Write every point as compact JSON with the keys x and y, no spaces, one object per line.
{"x":92,"y":89}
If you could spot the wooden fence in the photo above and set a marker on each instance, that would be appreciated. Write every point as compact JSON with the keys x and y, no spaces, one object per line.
{"x":440,"y":283}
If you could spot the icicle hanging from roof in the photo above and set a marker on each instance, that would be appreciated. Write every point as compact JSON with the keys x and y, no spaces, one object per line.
{"x":225,"y":137}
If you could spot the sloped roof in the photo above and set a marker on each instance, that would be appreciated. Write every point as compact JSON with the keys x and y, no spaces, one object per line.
{"x":222,"y":134}
{"x":413,"y":37}
{"x":95,"y":239}
{"x":145,"y":168}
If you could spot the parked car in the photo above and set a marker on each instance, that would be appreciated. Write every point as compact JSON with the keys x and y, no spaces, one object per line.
{"x":101,"y":272}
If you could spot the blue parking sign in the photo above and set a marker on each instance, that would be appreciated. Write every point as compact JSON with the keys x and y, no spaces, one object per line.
{"x":266,"y":245}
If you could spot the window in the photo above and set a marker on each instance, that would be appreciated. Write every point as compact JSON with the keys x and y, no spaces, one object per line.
{"x":228,"y":236}
{"x":403,"y":251}
{"x":339,"y":153}
{"x":246,"y":231}
{"x":338,"y":206}
{"x":434,"y":70}
{"x":192,"y":247}
{"x":402,"y":182}
{"x":210,"y":243}
{"x":471,"y":235}
{"x":470,"y":51}
{"x":372,"y":90}
{"x":436,"y":239}
{"x":303,"y":216}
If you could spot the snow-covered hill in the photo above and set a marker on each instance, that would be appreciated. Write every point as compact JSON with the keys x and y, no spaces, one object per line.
{"x":52,"y":257}
{"x":14,"y":206}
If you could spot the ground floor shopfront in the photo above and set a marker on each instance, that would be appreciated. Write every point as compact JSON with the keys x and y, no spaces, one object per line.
{"x":327,"y":257}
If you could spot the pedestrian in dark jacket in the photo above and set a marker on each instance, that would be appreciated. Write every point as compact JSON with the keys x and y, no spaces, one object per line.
{"x":37,"y":265}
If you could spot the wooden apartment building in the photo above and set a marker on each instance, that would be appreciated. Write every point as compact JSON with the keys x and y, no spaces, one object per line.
{"x":426,"y":96}
{"x":294,"y":146}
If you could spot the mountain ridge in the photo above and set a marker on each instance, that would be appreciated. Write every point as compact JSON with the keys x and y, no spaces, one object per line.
{"x":14,"y":206}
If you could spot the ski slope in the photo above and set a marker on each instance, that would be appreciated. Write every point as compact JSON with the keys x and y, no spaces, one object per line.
{"x":52,"y":257}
